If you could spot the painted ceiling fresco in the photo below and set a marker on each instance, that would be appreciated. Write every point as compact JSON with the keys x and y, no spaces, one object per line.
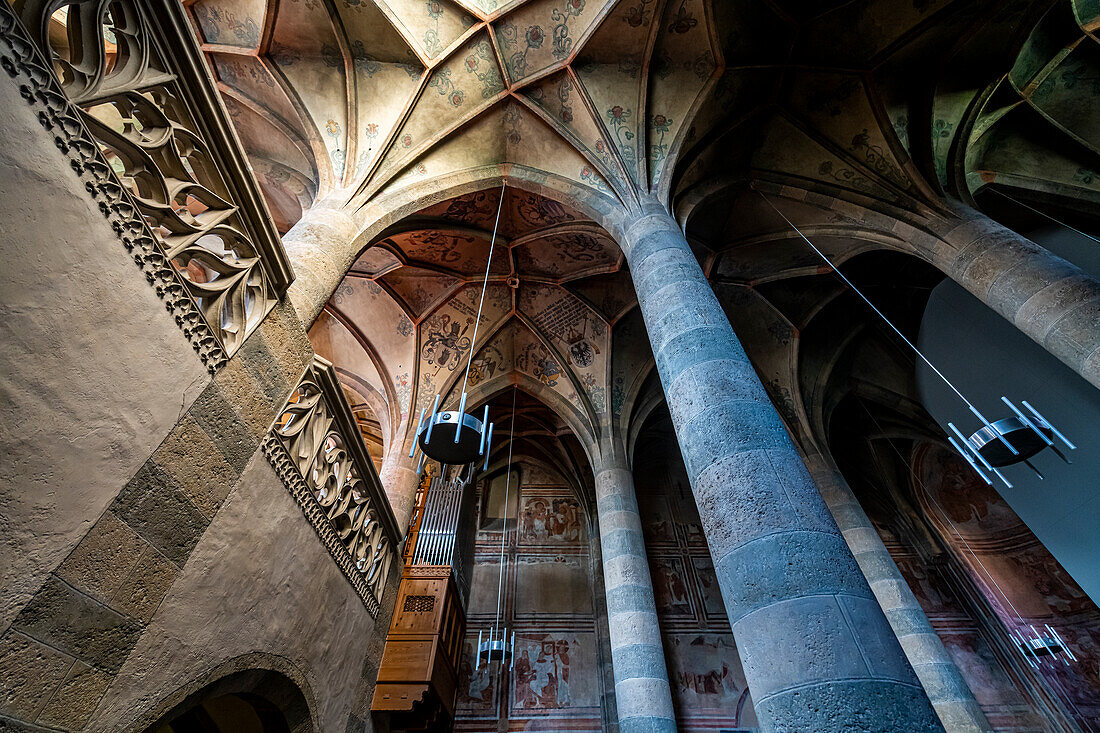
{"x":556,"y":289}
{"x":612,"y":100}
{"x":623,"y":97}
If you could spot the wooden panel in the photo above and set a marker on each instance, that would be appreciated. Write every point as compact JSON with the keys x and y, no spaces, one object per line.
{"x":419,"y":663}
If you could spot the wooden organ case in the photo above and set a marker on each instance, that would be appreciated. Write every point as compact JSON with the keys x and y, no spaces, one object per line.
{"x":418,"y":676}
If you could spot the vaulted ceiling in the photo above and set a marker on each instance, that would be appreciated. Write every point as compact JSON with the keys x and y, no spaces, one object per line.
{"x":894,"y":101}
{"x":625,"y":96}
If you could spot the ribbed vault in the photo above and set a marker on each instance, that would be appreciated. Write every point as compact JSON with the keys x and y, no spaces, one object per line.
{"x":623,"y":97}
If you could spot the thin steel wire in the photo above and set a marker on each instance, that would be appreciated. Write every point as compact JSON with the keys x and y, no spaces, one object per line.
{"x":947,"y":519}
{"x":484,"y":287}
{"x":1046,"y":215}
{"x":889,"y":323}
{"x":507,"y":496}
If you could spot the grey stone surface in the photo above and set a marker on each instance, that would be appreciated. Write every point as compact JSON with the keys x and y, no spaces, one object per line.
{"x":941,"y":679}
{"x":643,"y":697}
{"x":802,"y":613}
{"x":76,"y":698}
{"x":865,"y":706}
{"x":278,"y":593}
{"x":198,"y":467}
{"x":1049,"y":299}
{"x":78,"y":419}
{"x":155,"y":507}
{"x":99,"y":564}
{"x":78,"y":625}
{"x":32,"y":670}
{"x":214,"y":414}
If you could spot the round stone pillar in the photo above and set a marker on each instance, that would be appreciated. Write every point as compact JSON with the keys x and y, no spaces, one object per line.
{"x":642,"y":694}
{"x":943,"y":683}
{"x":325,"y":228}
{"x":1051,"y":300}
{"x":400,"y":481}
{"x":816,"y":648}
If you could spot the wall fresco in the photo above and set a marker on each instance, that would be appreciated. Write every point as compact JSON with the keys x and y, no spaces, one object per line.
{"x":1021,"y":581}
{"x":707,"y":681}
{"x":548,"y":600}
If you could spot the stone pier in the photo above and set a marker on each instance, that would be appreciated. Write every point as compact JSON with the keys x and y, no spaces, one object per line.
{"x":818,"y":652}
{"x":642,"y":692}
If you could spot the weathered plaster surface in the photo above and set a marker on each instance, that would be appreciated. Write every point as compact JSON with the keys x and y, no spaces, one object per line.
{"x":95,"y":370}
{"x":258,"y":581}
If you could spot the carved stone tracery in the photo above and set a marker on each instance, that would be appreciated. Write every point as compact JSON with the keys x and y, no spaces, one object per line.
{"x":107,"y":58}
{"x":319,"y":455}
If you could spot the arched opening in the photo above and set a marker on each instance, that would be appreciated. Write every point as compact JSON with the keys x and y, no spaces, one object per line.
{"x":250,"y":701}
{"x":537,"y":513}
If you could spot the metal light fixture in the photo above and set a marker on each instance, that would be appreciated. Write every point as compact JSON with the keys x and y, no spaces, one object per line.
{"x":1041,"y":648}
{"x":994,"y":445}
{"x":499,"y":646}
{"x":453,"y":437}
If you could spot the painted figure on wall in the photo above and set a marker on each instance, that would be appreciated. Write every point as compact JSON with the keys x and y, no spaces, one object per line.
{"x":543,"y":682}
{"x":476,"y":688}
{"x":551,"y":520}
{"x":669,"y":587}
{"x":707,"y":679}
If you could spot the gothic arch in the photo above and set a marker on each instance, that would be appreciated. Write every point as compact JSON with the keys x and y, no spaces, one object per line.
{"x":274,"y":686}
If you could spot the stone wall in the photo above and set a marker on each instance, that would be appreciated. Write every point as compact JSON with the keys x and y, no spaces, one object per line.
{"x":148,"y":545}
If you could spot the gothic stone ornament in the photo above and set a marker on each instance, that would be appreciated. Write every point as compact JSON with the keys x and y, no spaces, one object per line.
{"x":19,"y":56}
{"x":153,"y":140}
{"x":319,"y":455}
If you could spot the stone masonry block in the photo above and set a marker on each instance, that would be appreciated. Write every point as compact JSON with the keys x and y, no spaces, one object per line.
{"x":149,"y":580}
{"x":798,"y":642}
{"x":221,"y":422}
{"x":78,"y":625}
{"x":199,"y":468}
{"x":787,"y":565}
{"x":31,"y":671}
{"x":849,"y":706}
{"x":265,"y":370}
{"x":731,"y":427}
{"x":246,"y":396}
{"x":100,"y":562}
{"x":76,"y":699}
{"x":155,"y":507}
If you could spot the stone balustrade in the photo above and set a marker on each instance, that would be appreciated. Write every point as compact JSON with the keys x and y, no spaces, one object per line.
{"x":133,"y":103}
{"x":317,"y":450}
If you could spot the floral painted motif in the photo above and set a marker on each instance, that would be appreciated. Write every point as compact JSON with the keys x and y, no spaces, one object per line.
{"x":512,"y":122}
{"x":638,"y":15}
{"x":481,"y":64}
{"x":563,"y":43}
{"x":221,"y":26}
{"x":441,"y":81}
{"x":683,"y":20}
{"x":618,"y":117}
{"x":431,"y":36}
{"x":659,"y":126}
{"x":590,"y":177}
{"x":876,"y":158}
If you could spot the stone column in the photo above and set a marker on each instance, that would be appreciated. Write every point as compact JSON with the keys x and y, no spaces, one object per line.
{"x":1046,"y":297}
{"x":400,"y":480}
{"x":947,"y":690}
{"x":817,"y":650}
{"x":324,"y":227}
{"x":642,"y":693}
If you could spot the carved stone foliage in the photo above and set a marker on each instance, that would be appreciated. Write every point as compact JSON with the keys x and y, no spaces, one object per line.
{"x":144,"y":107}
{"x":320,"y":456}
